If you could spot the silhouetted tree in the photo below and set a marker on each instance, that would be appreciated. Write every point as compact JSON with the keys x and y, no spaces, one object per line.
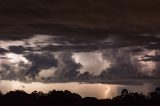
{"x":67,"y":98}
{"x":1,"y":93}
{"x":124,"y":92}
{"x":157,"y":90}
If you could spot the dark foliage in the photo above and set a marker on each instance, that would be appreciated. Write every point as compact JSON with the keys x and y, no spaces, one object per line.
{"x":66,"y":98}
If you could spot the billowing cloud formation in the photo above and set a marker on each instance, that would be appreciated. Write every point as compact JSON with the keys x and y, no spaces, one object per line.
{"x":123,"y":65}
{"x":127,"y":64}
{"x":48,"y":58}
{"x":67,"y":67}
{"x":51,"y":41}
{"x":40,"y":61}
{"x":91,"y":62}
{"x":14,"y":67}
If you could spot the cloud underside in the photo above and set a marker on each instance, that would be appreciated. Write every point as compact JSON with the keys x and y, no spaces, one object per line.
{"x":51,"y":58}
{"x":52,"y":41}
{"x":91,"y":17}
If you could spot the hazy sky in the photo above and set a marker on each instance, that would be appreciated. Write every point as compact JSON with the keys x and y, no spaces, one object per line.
{"x":93,"y":41}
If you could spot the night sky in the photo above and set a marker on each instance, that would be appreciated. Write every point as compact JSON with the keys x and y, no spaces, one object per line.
{"x":69,"y":42}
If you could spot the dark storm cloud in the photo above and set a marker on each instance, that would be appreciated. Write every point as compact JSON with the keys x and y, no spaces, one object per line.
{"x":2,"y":51}
{"x":21,"y":18}
{"x":151,"y":58}
{"x":18,"y":49}
{"x":89,"y":43}
{"x":153,"y":46}
{"x":111,"y":40}
{"x":67,"y":67}
{"x":10,"y":71}
{"x":123,"y":65}
{"x":6,"y":72}
{"x":73,"y":48}
{"x":86,"y":76}
{"x":81,"y":26}
{"x":40,"y":61}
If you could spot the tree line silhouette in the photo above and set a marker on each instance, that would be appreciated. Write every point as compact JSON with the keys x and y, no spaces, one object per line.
{"x":62,"y":98}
